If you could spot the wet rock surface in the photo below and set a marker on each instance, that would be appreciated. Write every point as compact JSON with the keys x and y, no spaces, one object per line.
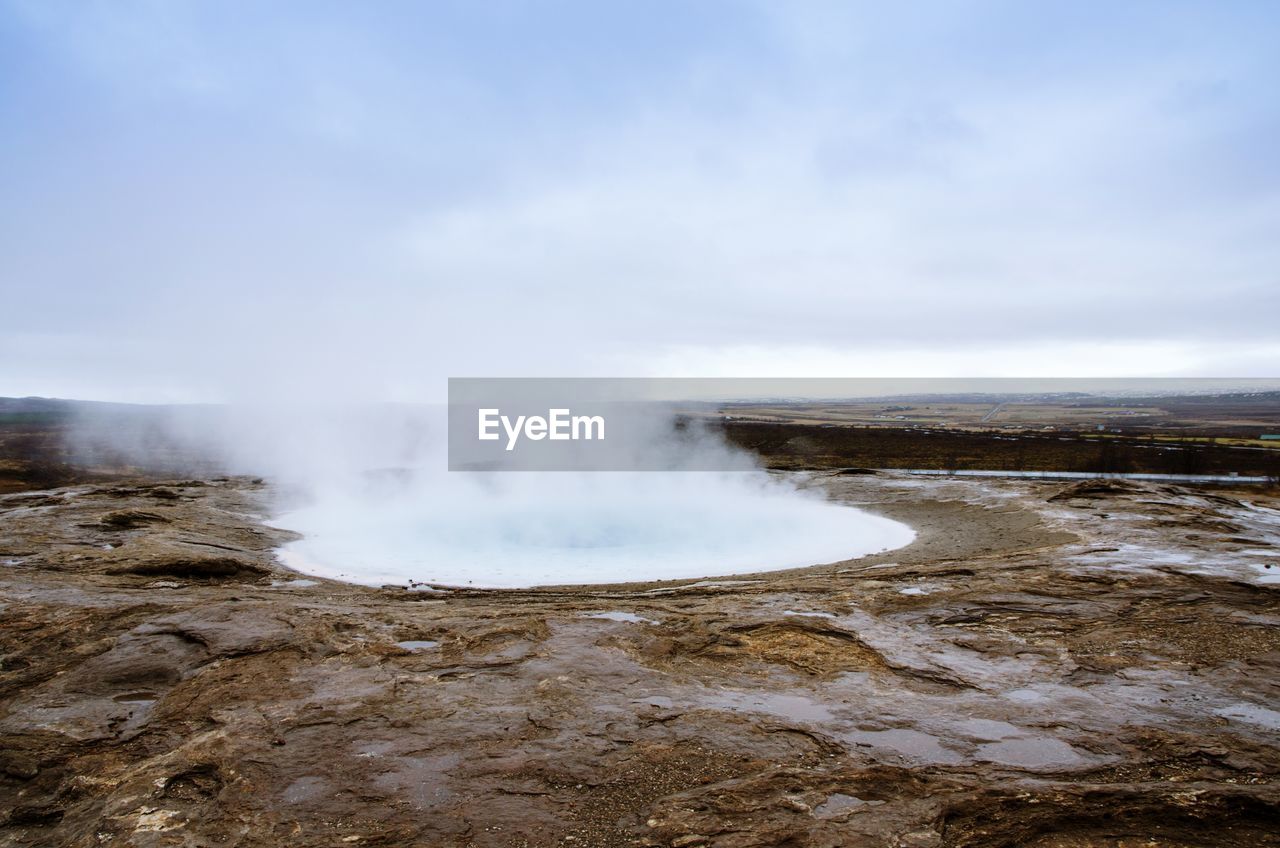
{"x":1048,"y":665}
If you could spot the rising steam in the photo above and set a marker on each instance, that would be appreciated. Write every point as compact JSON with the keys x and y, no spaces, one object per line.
{"x":367,"y":489}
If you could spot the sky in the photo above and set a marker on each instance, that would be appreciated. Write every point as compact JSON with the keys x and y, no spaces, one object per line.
{"x":237,"y":200}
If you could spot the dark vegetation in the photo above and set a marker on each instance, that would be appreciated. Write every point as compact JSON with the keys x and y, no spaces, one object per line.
{"x":47,"y":442}
{"x":802,"y":446}
{"x":33,"y":452}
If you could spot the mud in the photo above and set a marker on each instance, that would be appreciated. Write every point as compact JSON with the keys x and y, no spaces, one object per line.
{"x":1047,"y":665}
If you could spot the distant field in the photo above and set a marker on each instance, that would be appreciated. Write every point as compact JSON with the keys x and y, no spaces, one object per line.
{"x":1241,"y":417}
{"x":1176,"y":435}
{"x":1184,"y":435}
{"x":32,"y":455}
{"x":1225,"y":415}
{"x":809,"y":446}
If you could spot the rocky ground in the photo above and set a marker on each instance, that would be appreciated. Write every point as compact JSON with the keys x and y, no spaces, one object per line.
{"x":1047,"y":665}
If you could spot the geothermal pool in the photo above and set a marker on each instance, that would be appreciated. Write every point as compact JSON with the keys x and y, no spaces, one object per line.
{"x":589,"y":530}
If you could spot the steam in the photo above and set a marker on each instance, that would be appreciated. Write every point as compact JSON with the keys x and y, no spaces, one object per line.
{"x":367,"y":489}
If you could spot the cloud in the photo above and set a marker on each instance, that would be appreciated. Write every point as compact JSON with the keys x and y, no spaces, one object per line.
{"x":227,"y":201}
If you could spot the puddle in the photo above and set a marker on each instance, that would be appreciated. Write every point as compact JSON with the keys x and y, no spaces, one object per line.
{"x":1266,"y":573}
{"x":418,"y":645}
{"x":988,"y":730}
{"x":838,"y":805}
{"x":1037,"y":752}
{"x":810,"y":614}
{"x":628,"y":617}
{"x":139,"y":698}
{"x":299,"y":584}
{"x":1025,"y":696}
{"x":912,"y":744}
{"x":794,"y":707}
{"x":1252,"y":714}
{"x":914,"y":590}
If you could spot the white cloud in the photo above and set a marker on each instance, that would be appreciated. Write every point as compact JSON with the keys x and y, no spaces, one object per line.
{"x":257,"y":201}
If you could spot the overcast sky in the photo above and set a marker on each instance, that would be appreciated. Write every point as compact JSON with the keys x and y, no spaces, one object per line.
{"x":218,"y":200}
